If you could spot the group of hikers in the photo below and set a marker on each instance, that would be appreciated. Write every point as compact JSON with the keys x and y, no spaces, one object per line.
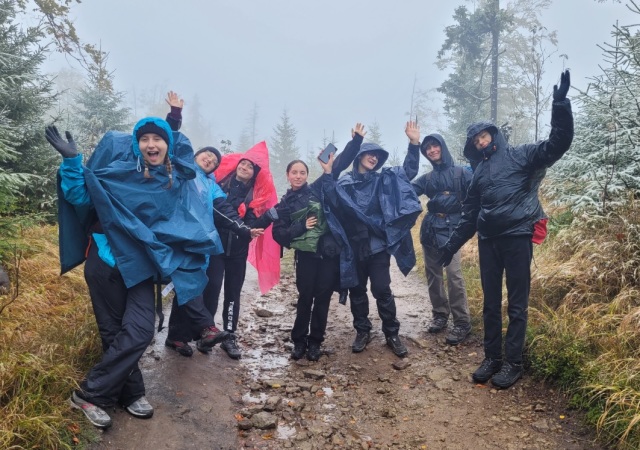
{"x":146,"y":209}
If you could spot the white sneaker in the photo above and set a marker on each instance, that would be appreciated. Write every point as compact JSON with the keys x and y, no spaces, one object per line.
{"x":140,"y":408}
{"x":96,"y":415}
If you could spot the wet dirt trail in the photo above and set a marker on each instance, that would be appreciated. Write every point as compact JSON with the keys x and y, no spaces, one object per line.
{"x":368,"y":400}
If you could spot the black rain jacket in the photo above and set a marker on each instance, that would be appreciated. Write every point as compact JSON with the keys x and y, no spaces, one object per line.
{"x":502,"y":199}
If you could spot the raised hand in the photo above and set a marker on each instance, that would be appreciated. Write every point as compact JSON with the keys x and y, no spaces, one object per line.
{"x":359,"y":129}
{"x":412,"y":130}
{"x":560,"y":93}
{"x":66,"y":148}
{"x":174,"y":100}
{"x":328,"y":166}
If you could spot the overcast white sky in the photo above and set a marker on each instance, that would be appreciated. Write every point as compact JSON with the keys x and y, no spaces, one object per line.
{"x":330,"y":63}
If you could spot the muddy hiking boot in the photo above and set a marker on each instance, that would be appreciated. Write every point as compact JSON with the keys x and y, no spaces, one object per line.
{"x":508,"y":375}
{"x":487,"y":369}
{"x":313,"y":351}
{"x":396,"y":345}
{"x":140,"y":408}
{"x":230,"y":345}
{"x":181,"y":347}
{"x":438,"y":323}
{"x":361,"y":341}
{"x":458,"y":334}
{"x":96,"y":415}
{"x":299,"y":349}
{"x":209,"y":338}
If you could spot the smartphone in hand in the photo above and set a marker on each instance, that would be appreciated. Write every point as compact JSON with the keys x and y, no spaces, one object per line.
{"x":324,"y":155}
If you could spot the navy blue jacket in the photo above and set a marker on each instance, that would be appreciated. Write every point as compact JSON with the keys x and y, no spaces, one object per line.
{"x":445,"y":193}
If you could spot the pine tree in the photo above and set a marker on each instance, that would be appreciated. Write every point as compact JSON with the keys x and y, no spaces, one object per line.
{"x":283,"y":150}
{"x":602,"y":168}
{"x":99,"y":106}
{"x":374,"y":135}
{"x":27,"y":174}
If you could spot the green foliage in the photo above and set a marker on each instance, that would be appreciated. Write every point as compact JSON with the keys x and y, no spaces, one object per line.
{"x":98,"y":106}
{"x":28,"y":164}
{"x":603,"y":166}
{"x":282,"y":151}
{"x":469,"y":53}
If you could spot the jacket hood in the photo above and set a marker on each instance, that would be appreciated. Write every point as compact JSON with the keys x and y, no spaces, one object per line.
{"x":383,"y":155}
{"x":446,"y":160}
{"x":498,"y":141}
{"x":156,"y":121}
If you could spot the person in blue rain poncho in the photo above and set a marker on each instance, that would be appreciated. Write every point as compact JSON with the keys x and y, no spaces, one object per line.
{"x":135,"y":214}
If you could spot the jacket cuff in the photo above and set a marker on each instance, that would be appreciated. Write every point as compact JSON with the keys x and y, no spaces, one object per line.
{"x":74,"y":162}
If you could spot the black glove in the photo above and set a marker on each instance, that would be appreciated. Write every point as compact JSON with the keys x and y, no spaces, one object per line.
{"x":445,"y":257}
{"x":560,"y":93}
{"x":272,"y":214}
{"x":66,"y":149}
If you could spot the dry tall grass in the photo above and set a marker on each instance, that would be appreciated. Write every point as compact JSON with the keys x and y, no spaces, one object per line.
{"x":48,"y":338}
{"x":585,"y":320}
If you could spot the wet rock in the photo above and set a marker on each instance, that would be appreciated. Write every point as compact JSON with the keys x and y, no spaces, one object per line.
{"x":420,"y":343}
{"x":264,"y":421}
{"x":286,"y":328}
{"x":305,"y":386}
{"x":292,"y":390}
{"x":383,"y":378}
{"x":255,"y":387}
{"x":515,"y":419}
{"x":245,"y":424}
{"x":275,"y":383}
{"x":401,"y":365}
{"x":261,"y":312}
{"x":302,"y":363}
{"x":272,"y":403}
{"x":541,"y":425}
{"x":389,"y":413}
{"x":444,"y":384}
{"x":313,"y":374}
{"x":438,"y":374}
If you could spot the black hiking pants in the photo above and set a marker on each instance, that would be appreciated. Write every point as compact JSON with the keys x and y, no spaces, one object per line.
{"x":375,"y":269}
{"x":511,"y":256}
{"x":126,"y":321}
{"x":187,"y":321}
{"x":315,"y":279}
{"x":231,"y":271}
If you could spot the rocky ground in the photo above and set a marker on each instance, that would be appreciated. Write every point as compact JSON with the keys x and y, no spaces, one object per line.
{"x":371,"y":400}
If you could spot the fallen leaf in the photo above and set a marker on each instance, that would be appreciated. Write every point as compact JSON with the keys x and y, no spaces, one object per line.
{"x":562,"y":417}
{"x":267,"y":436}
{"x":75,"y":440}
{"x":74,"y":428}
{"x":238,"y":416}
{"x":481,"y":386}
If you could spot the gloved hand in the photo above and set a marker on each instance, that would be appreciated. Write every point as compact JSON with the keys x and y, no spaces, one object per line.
{"x":272,"y":214}
{"x":560,"y":93}
{"x":445,"y":257}
{"x":66,"y":149}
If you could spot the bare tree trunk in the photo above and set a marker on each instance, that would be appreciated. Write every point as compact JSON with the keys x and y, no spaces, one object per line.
{"x":495,"y":35}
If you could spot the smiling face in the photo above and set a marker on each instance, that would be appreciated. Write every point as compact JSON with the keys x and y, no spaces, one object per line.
{"x":244,"y":171}
{"x":482,"y":140}
{"x":433,"y":150}
{"x":207,"y":161}
{"x":297,"y":175}
{"x":153,"y":149}
{"x":368,"y":162}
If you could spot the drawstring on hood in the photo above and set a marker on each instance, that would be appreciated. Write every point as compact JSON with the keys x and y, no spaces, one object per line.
{"x":498,"y":141}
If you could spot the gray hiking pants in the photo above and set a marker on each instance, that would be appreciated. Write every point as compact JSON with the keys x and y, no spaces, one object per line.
{"x":456,"y":301}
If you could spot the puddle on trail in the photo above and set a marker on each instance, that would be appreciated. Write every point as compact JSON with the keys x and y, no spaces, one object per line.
{"x":285,"y":431}
{"x":258,"y":361}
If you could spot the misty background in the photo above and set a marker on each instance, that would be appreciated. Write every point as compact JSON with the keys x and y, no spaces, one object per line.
{"x":240,"y":65}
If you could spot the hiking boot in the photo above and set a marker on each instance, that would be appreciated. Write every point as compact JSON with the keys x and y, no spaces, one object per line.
{"x":361,"y":341}
{"x":96,"y":415}
{"x":203,"y":348}
{"x":140,"y":408}
{"x":397,"y":346}
{"x":487,"y":369}
{"x":299,"y":349}
{"x":181,"y":347}
{"x":211,"y":336}
{"x":438,"y":324}
{"x":313,"y":351}
{"x":458,"y":334}
{"x":508,"y":375}
{"x":231,"y":347}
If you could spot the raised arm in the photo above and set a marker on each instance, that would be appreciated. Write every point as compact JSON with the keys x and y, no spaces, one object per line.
{"x":72,"y":181}
{"x":411,"y":163}
{"x":345,"y":158}
{"x":174,"y":118}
